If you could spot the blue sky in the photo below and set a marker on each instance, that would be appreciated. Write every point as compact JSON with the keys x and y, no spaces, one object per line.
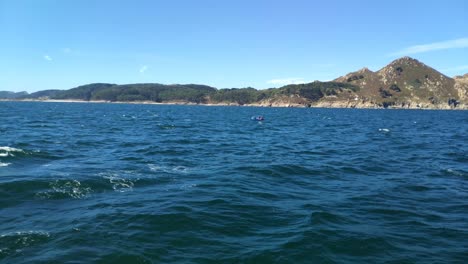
{"x":63,"y":43}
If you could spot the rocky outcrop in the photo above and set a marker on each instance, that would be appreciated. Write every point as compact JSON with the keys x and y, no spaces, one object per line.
{"x":404,"y":83}
{"x":461,"y":86}
{"x":408,"y":83}
{"x":284,"y":101}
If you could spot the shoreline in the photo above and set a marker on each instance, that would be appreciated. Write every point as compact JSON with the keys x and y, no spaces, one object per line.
{"x":328,"y":105}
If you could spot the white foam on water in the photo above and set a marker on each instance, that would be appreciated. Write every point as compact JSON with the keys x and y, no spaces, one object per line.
{"x":70,"y":188}
{"x":454,"y":172}
{"x":119,"y":184}
{"x":26,"y":233}
{"x":10,"y":149}
{"x":188,"y":186}
{"x":153,"y":167}
{"x":4,"y":164}
{"x":176,"y":169}
{"x":384,"y":129}
{"x":22,"y":239}
{"x":180,"y":169}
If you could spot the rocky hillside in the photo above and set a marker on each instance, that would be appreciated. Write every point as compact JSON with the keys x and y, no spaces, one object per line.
{"x":461,"y":86}
{"x":407,"y":83}
{"x":404,"y":83}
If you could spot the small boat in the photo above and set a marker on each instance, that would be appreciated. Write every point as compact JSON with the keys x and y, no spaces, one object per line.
{"x":257,"y":118}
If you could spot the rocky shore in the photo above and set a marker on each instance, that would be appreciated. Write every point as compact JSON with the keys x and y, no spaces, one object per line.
{"x":282,"y":104}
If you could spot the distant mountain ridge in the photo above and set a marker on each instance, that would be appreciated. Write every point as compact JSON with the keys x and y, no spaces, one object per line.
{"x":404,"y":83}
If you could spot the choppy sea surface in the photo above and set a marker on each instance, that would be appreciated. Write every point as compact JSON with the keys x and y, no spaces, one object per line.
{"x":125,"y":183}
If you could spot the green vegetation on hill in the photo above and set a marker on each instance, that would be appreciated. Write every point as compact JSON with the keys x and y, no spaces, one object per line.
{"x":317,"y":90}
{"x":42,"y":94}
{"x":405,"y":82}
{"x":84,"y":92}
{"x":190,"y":93}
{"x":311,"y":91}
{"x":153,"y":92}
{"x":238,"y":96}
{"x":12,"y":95}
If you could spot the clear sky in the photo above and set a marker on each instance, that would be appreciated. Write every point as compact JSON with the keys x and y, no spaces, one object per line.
{"x":64,"y":43}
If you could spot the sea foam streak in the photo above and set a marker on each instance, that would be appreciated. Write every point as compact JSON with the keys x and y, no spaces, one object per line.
{"x":168,"y":169}
{"x":119,"y":184}
{"x":25,"y":233}
{"x":8,"y":151}
{"x":65,"y":188}
{"x":15,"y":242}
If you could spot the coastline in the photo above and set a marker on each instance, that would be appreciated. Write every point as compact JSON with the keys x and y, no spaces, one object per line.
{"x":322,"y":104}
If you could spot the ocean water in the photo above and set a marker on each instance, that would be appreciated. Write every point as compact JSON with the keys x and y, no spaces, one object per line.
{"x":124,"y":183}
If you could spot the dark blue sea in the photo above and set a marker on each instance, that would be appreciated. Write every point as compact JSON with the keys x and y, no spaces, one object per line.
{"x":127,"y":183}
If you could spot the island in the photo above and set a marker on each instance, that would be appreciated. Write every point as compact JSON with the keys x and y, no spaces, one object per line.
{"x":404,"y":83}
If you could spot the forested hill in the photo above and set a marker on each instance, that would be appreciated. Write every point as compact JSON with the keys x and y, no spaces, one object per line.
{"x":191,"y":93}
{"x":404,"y":83}
{"x":137,"y":92}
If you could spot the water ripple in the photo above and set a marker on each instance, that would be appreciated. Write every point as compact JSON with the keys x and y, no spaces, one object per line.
{"x":123,"y":183}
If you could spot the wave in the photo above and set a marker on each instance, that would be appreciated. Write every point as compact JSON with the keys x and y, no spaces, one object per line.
{"x":9,"y":151}
{"x":60,"y":189}
{"x":12,"y":155}
{"x":279,"y":170}
{"x":328,"y":218}
{"x":119,"y":183}
{"x":14,"y":242}
{"x":83,"y":188}
{"x":168,"y":169}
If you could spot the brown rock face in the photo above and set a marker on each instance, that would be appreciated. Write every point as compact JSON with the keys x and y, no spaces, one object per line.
{"x":407,"y":82}
{"x":461,"y":85}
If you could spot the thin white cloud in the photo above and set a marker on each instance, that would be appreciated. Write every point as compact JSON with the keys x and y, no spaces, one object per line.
{"x":143,"y":69}
{"x":47,"y":58}
{"x":287,"y":81}
{"x":444,"y":45}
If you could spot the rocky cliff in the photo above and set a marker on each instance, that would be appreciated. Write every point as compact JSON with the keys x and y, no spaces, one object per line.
{"x":407,"y":83}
